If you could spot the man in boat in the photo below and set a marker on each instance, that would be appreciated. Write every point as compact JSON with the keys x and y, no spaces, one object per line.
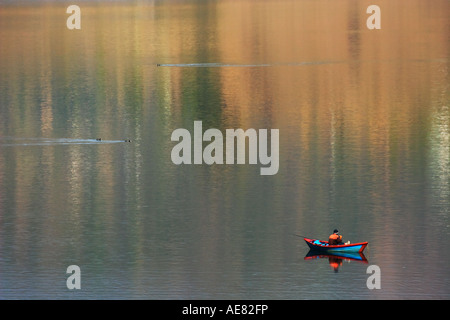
{"x":335,"y":238}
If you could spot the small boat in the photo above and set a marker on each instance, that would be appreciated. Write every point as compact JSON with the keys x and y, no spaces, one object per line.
{"x":318,"y":245}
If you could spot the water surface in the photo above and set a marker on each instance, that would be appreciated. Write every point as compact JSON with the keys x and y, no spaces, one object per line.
{"x":364,"y":122}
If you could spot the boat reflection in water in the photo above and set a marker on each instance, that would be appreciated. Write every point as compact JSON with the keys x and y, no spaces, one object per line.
{"x":336,"y":259}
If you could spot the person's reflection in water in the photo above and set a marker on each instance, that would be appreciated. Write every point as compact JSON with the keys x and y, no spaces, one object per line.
{"x":335,"y":263}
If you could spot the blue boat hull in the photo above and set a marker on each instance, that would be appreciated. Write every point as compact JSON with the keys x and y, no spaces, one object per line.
{"x":323,"y":246}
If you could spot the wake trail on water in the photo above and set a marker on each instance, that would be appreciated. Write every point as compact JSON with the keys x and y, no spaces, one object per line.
{"x":244,"y":65}
{"x":281,"y":64}
{"x":10,"y":142}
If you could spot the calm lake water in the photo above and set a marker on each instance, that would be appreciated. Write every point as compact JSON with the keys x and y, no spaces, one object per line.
{"x":364,"y":126}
